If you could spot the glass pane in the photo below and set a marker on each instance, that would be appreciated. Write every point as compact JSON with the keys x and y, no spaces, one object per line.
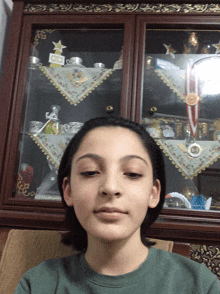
{"x":181,"y":104}
{"x":73,"y":75}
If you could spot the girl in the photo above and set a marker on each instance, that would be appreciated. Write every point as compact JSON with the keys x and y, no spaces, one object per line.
{"x":112,"y":182}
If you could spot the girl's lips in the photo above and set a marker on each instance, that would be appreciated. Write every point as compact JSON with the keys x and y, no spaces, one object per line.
{"x":110,"y":214}
{"x":110,"y":210}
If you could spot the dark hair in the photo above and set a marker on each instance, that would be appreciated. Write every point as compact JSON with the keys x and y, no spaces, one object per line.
{"x":77,"y":236}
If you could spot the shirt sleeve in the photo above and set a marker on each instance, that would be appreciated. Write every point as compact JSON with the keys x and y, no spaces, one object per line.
{"x":41,"y":279}
{"x":211,"y":284}
{"x":23,"y":287}
{"x":215,"y":287}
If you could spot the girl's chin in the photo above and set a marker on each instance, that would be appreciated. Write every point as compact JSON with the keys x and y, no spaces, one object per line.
{"x":110,"y":236}
{"x":112,"y":232}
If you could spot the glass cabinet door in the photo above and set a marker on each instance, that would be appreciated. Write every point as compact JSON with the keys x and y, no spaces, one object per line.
{"x":74,"y":73}
{"x":180,"y":109}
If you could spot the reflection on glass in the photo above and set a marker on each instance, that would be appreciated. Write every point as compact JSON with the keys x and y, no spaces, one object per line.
{"x":73,"y":74}
{"x":181,"y":103}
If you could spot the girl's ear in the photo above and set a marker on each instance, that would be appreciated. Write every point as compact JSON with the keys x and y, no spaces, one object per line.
{"x":155,"y":194}
{"x":67,"y":193}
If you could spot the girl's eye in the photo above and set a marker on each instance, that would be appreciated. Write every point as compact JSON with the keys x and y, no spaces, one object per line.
{"x":133,"y":175}
{"x":89,"y":173}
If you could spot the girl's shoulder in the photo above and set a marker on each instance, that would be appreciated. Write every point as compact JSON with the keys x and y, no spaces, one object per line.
{"x":182,"y":267}
{"x":44,"y":277}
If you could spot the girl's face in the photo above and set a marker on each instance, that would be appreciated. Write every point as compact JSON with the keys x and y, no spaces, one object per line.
{"x":111,"y":184}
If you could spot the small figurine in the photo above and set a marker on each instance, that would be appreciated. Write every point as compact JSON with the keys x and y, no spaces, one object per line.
{"x":53,"y":124}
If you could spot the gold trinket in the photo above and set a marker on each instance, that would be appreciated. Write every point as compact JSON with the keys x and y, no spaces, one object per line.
{"x":192,"y":99}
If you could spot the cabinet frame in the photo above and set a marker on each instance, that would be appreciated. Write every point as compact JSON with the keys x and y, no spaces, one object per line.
{"x":177,"y":225}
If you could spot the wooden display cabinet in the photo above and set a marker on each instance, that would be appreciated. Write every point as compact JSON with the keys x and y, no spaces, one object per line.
{"x":136,"y":43}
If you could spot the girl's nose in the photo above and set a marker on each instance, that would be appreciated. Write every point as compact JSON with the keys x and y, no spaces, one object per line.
{"x":110,"y":186}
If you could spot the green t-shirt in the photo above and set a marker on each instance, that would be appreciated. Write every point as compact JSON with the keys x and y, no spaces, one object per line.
{"x":161,"y":273}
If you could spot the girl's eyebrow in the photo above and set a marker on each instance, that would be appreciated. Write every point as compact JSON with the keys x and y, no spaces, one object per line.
{"x":90,"y":155}
{"x":129,"y":157}
{"x":97,"y":157}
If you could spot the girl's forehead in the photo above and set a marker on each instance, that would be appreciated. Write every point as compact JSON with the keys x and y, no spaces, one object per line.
{"x":104,"y":135}
{"x":114,"y":139}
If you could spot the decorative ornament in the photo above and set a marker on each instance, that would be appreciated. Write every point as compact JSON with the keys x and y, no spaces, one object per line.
{"x":77,"y":77}
{"x":168,"y":131}
{"x":194,"y":150}
{"x":119,"y":63}
{"x":192,"y":99}
{"x":41,"y":35}
{"x":170,"y":50}
{"x":206,"y":49}
{"x":56,"y":59}
{"x":193,"y":39}
{"x":25,"y":177}
{"x":192,"y":44}
{"x":181,"y":197}
{"x":217,"y":46}
{"x":53,"y":125}
{"x":216,"y":133}
{"x":155,"y":130}
{"x":198,"y":202}
{"x":58,"y":47}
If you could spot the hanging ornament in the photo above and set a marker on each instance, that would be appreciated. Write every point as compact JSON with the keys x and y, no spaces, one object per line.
{"x":217,"y":46}
{"x":194,"y":150}
{"x":192,"y":107}
{"x":192,"y":99}
{"x":56,"y":59}
{"x":170,"y":50}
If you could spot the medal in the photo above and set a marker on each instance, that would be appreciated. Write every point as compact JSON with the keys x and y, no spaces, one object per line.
{"x":192,"y":101}
{"x":194,"y":150}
